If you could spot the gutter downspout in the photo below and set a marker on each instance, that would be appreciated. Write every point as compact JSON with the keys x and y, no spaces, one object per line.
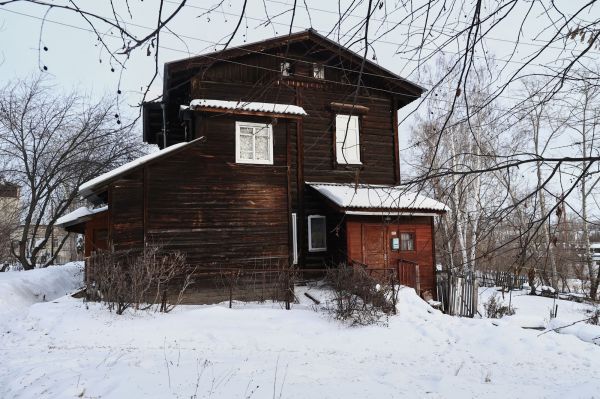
{"x":163,"y":106}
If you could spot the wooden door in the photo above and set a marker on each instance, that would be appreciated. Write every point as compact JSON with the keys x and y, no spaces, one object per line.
{"x":374,"y":248}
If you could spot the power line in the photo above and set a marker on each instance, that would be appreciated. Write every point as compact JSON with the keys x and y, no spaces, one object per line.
{"x":281,"y":57}
{"x":440,"y":30}
{"x":444,"y":30}
{"x":246,"y":64}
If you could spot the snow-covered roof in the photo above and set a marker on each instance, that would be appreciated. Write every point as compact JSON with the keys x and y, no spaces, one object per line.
{"x":78,"y":214}
{"x":248,"y":106}
{"x":86,"y":188}
{"x":356,"y":197}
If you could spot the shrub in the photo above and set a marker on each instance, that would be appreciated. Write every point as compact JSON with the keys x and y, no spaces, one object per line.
{"x":359,"y":298}
{"x":495,"y":309}
{"x":139,"y":279}
{"x":593,"y":316}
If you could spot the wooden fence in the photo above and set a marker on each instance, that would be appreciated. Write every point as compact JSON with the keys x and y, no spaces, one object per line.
{"x":457,"y":293}
{"x":501,"y":279}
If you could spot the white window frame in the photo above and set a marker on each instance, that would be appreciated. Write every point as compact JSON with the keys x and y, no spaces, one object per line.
{"x":318,"y":71}
{"x":238,"y":158}
{"x":310,"y":247}
{"x":294,"y":238}
{"x":351,"y":156}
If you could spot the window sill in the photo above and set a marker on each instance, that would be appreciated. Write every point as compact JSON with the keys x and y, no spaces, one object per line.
{"x":244,"y":162}
{"x":317,"y":250}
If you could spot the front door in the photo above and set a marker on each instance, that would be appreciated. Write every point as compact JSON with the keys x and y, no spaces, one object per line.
{"x":374,"y":245}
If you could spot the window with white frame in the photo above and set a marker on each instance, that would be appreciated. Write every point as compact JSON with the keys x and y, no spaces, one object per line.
{"x":347,"y":139}
{"x":318,"y":71}
{"x":317,"y":233}
{"x":253,"y":143}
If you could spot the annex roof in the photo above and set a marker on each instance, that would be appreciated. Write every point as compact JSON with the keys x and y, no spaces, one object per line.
{"x":247,"y":106}
{"x":79,"y":215}
{"x":377,"y":199}
{"x":88,"y":187}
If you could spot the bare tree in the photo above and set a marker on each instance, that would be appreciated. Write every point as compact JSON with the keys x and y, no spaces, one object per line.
{"x":51,"y":143}
{"x":584,"y":120}
{"x":469,"y":145}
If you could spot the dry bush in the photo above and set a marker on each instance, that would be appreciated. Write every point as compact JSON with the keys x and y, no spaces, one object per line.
{"x":258,"y":283}
{"x":360,"y":299}
{"x":593,"y":315}
{"x":495,"y":309}
{"x":124,"y":279}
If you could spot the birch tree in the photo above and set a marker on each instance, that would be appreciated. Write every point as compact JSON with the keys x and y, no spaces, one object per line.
{"x":584,"y":122}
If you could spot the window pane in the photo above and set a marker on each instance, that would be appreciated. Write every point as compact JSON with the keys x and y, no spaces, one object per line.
{"x":318,"y":71}
{"x":347,"y":139}
{"x":261,"y":131}
{"x":246,"y":130}
{"x":262,"y":148}
{"x":407,"y":242}
{"x":246,"y":150}
{"x":317,"y":233}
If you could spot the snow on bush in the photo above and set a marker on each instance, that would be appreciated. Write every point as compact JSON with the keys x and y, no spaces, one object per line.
{"x":496,"y":309}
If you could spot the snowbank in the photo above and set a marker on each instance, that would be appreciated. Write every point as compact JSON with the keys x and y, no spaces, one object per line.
{"x":585,"y":332}
{"x":68,"y":348}
{"x":19,"y":290}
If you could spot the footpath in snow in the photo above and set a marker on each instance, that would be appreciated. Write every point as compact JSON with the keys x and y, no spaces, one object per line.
{"x":65,"y":348}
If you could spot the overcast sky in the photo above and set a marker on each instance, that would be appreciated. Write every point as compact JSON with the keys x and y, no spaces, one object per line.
{"x":74,"y":55}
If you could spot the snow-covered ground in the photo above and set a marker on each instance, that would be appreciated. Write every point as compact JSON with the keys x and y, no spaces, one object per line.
{"x":534,"y":311}
{"x":65,"y":348}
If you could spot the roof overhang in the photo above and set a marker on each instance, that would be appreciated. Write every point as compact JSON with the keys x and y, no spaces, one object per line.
{"x":273,"y":110}
{"x":97,"y":184}
{"x":73,"y":221}
{"x":381,"y":200}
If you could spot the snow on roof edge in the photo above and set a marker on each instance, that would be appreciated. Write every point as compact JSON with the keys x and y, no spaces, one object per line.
{"x":365,"y":196}
{"x":86,"y":188}
{"x":248,"y":106}
{"x":77,"y":214}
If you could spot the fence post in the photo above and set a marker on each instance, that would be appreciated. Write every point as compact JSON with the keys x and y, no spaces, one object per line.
{"x":417,"y":280}
{"x":230,"y":289}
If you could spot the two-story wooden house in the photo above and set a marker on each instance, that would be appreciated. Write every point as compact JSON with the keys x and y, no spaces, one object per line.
{"x":283,"y":151}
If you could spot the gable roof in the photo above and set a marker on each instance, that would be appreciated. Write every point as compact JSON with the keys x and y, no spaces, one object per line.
{"x":370,"y":68}
{"x":377,"y":199}
{"x":91,"y":186}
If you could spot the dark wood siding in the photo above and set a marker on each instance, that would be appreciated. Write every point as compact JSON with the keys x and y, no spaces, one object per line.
{"x":96,"y":233}
{"x":126,"y":212}
{"x":201,"y":202}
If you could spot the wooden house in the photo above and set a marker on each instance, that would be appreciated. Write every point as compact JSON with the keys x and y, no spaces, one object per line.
{"x":270,"y":154}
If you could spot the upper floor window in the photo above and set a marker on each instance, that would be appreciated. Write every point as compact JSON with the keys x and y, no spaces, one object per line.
{"x":253,"y":143}
{"x":286,"y":69}
{"x":319,"y":71}
{"x":347,"y":140}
